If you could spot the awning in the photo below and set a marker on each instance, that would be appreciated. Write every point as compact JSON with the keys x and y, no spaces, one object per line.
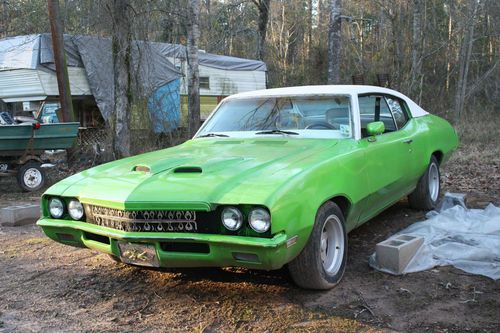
{"x":24,"y":99}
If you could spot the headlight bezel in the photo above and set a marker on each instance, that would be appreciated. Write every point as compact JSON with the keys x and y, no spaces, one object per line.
{"x":77,"y":217}
{"x":239,"y":223}
{"x":62,"y":207}
{"x":252,"y":217}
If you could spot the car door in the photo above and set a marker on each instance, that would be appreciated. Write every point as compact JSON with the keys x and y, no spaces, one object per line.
{"x":387,"y":157}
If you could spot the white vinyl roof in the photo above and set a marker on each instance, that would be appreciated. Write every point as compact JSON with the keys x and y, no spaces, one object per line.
{"x":416,"y":110}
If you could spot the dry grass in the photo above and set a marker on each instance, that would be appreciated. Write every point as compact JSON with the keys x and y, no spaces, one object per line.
{"x":475,"y":166}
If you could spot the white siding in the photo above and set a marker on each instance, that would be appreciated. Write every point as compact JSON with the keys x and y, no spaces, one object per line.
{"x":224,"y":82}
{"x":20,"y":83}
{"x":79,"y":84}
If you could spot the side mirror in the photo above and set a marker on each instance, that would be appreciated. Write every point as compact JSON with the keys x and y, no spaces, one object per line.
{"x":375,"y":128}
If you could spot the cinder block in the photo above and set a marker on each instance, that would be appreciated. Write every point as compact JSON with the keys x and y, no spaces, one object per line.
{"x":14,"y":216}
{"x":395,"y":253}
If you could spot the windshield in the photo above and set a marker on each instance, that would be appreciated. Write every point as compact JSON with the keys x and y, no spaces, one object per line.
{"x":309,"y":116}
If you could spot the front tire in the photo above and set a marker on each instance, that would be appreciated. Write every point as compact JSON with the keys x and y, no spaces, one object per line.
{"x":426,"y":194}
{"x":321,"y":264}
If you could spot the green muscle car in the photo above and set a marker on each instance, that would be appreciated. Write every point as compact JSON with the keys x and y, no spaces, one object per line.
{"x":273,"y":177}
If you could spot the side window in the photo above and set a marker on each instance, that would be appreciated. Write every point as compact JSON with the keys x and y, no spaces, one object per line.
{"x":398,"y":110}
{"x":375,"y":108}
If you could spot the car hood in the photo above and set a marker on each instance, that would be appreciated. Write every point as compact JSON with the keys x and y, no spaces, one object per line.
{"x":199,"y":171}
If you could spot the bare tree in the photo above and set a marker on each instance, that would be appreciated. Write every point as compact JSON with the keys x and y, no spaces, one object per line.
{"x":464,"y":57}
{"x":417,"y":49}
{"x":334,"y":42}
{"x":121,"y":46}
{"x":309,"y":27}
{"x":263,"y":8}
{"x":193,"y":32}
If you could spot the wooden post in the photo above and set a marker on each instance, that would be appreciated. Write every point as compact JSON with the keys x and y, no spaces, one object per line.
{"x":60,"y":61}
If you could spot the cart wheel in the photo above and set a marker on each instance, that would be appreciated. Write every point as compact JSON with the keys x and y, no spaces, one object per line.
{"x":30,"y":176}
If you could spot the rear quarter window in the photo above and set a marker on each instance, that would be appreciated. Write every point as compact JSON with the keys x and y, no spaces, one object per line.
{"x":399,"y":110}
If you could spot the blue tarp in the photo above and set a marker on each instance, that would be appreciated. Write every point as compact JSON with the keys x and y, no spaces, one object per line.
{"x":164,"y":107}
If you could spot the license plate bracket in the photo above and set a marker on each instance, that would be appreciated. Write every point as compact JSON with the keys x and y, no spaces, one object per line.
{"x":138,"y":254}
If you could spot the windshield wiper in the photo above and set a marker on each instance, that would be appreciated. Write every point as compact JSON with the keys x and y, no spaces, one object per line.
{"x":212,"y":135}
{"x":277,"y":131}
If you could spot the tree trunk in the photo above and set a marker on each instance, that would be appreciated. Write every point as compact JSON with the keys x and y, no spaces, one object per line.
{"x":397,"y":45}
{"x":263,"y":8}
{"x":416,"y":50}
{"x":334,"y":42}
{"x":193,"y":32}
{"x":121,"y":44}
{"x":449,"y":47}
{"x":4,"y":24}
{"x":309,"y":28}
{"x":464,"y":58}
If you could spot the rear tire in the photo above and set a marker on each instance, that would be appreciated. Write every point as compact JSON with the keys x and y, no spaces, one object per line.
{"x":426,"y":194}
{"x":321,"y":264}
{"x":31,"y":177}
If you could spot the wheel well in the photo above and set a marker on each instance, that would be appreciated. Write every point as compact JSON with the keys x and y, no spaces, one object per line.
{"x":343,"y":203}
{"x":438,"y":155}
{"x":29,"y":158}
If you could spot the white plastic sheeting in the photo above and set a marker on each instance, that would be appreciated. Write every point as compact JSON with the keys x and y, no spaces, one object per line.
{"x":468,"y":239}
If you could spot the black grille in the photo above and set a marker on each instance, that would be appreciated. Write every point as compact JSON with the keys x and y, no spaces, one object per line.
{"x":153,"y":220}
{"x":97,"y":238}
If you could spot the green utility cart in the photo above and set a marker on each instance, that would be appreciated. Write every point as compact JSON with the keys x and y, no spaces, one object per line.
{"x":21,"y":147}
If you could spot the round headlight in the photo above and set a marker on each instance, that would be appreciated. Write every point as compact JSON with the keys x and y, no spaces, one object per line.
{"x":56,"y":208}
{"x":232,"y":218}
{"x":259,"y":220}
{"x":75,"y":209}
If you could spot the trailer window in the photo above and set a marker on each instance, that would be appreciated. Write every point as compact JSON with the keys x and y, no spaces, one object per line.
{"x":204,"y":82}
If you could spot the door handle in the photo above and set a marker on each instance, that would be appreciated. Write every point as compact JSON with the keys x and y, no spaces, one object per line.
{"x":408,"y":141}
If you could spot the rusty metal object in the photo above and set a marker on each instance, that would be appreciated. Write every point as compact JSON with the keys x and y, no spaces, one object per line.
{"x":358,"y":79}
{"x":60,"y":61}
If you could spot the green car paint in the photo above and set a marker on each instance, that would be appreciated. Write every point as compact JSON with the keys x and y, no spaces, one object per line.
{"x":291,"y":176}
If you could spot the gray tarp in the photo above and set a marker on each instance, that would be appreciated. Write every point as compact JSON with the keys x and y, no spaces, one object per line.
{"x":47,"y":55}
{"x":151,"y":69}
{"x":214,"y":60}
{"x":25,"y":52}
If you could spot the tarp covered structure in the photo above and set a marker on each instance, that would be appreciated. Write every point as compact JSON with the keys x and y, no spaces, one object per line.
{"x":150,"y":69}
{"x":154,"y":76}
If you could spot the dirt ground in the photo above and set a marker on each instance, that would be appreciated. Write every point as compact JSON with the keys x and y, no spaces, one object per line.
{"x":45,"y":286}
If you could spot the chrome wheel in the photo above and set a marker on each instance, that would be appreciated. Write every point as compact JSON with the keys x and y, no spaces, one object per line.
{"x":433,"y":181}
{"x":32,"y":177}
{"x":332,"y":244}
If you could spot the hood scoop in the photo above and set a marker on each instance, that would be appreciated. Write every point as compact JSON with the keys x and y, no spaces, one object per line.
{"x":142,"y":168}
{"x":188,"y":169}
